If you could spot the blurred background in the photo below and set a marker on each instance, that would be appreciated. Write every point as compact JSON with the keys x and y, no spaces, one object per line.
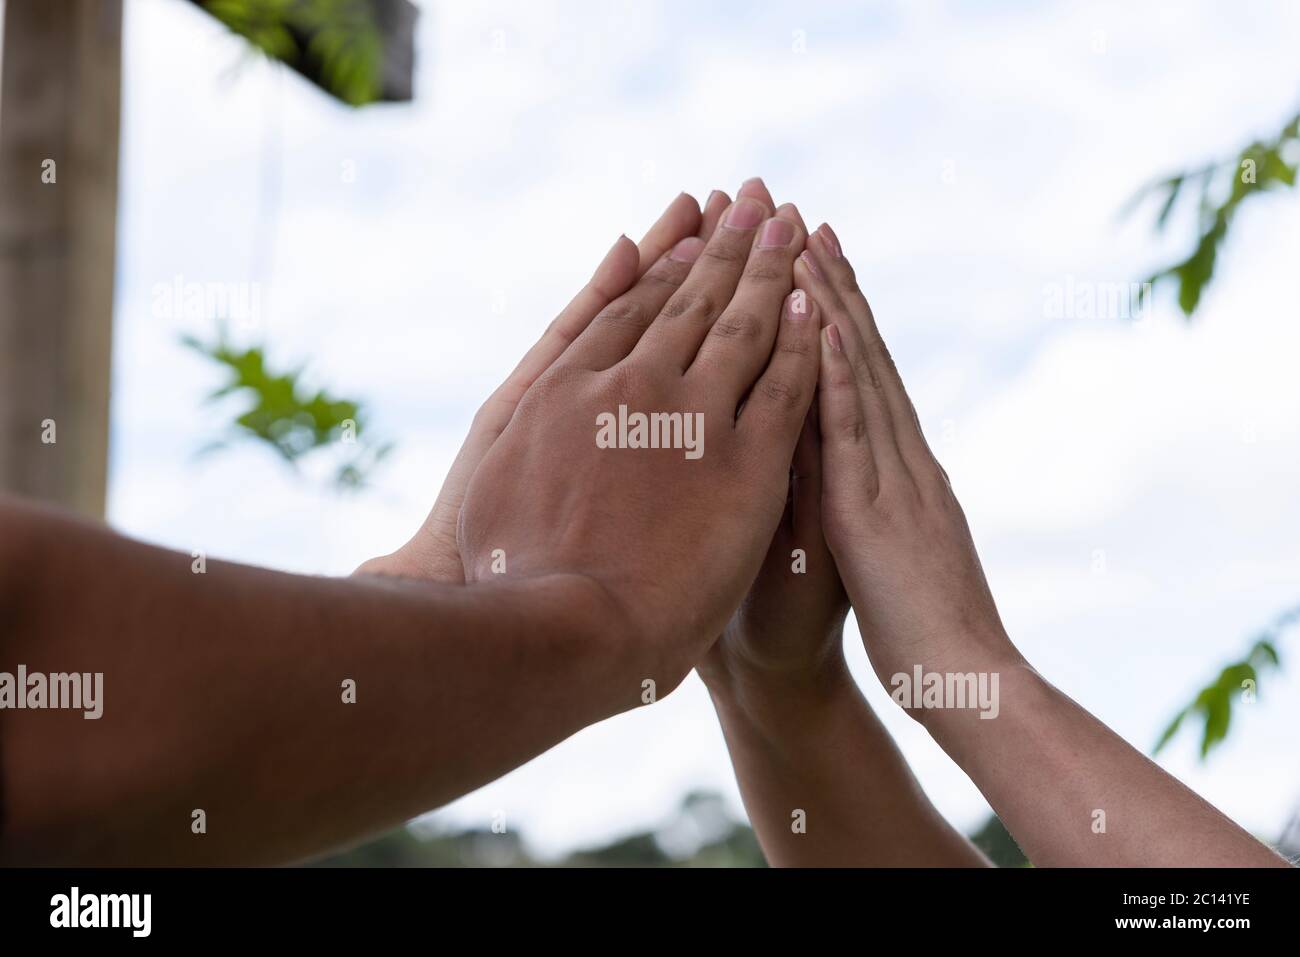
{"x":1074,"y":221}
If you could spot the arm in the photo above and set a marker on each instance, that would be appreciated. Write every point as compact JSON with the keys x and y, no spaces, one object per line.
{"x":822,"y":781}
{"x":224,"y":692}
{"x":821,"y":750}
{"x":905,"y":554}
{"x":1055,"y":775}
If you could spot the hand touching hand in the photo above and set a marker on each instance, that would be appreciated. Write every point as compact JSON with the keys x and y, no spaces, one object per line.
{"x":899,"y":536}
{"x":789,"y":628}
{"x":669,"y":542}
{"x":432,"y":553}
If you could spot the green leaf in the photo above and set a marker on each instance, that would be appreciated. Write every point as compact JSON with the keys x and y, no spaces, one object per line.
{"x":1223,"y":187}
{"x":1218,"y":715}
{"x":1168,"y":734}
{"x":1213,"y":703}
{"x":280,"y":413}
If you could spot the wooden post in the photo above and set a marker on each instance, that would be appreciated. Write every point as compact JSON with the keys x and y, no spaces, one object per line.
{"x":60,"y":86}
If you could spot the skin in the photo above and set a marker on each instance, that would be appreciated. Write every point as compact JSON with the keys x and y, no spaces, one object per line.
{"x":802,"y":738}
{"x":223,"y":691}
{"x":729,"y":333}
{"x":905,"y":554}
{"x":432,"y":553}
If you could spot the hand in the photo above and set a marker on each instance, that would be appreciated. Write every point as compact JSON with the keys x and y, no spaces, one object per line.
{"x":668,"y":540}
{"x":899,"y":537}
{"x":788,"y":631}
{"x":789,"y":627}
{"x":431,"y":554}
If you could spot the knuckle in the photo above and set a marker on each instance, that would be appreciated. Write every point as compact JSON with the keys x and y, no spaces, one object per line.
{"x":737,"y":324}
{"x":663,"y":278}
{"x":664,"y":275}
{"x":879,"y":353}
{"x":688,"y":302}
{"x":724,"y":255}
{"x":798,"y":346}
{"x":630,"y":377}
{"x":867,"y":369}
{"x":847,"y":279}
{"x":624,"y":313}
{"x":852,"y":428}
{"x":784,"y":393}
{"x":765,"y":272}
{"x":841,"y":379}
{"x":564,"y":332}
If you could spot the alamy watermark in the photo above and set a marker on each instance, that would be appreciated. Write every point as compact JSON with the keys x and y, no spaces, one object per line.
{"x":947,"y":689}
{"x":75,"y":909}
{"x":236,"y":302}
{"x":1086,"y":299}
{"x":76,"y":691}
{"x":651,"y":430}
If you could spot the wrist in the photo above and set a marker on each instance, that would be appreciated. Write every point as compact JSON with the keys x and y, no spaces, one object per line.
{"x":590,"y":621}
{"x":1005,"y":688}
{"x":771,"y":696}
{"x":569,"y":624}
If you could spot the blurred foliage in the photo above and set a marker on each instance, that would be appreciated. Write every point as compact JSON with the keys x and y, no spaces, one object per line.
{"x":1213,"y":703}
{"x":998,"y":845}
{"x":699,"y":834}
{"x":342,"y":39}
{"x":340,"y":35}
{"x":288,"y":417}
{"x":1218,"y":189}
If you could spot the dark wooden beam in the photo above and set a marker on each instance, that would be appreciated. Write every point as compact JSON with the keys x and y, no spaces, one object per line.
{"x":394,"y":21}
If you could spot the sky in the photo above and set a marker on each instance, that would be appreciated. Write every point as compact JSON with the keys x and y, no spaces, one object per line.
{"x":1130,"y":482}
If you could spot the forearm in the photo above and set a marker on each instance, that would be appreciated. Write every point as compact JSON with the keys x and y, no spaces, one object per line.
{"x":824,"y":784}
{"x":1073,"y":793}
{"x":225,"y":692}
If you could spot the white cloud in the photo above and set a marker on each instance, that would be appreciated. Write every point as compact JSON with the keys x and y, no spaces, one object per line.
{"x":477,"y":211}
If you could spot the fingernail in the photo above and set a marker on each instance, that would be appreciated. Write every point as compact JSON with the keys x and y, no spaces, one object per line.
{"x":776,"y":233}
{"x":833,"y":337}
{"x":831,"y":240}
{"x":754,"y":182}
{"x":794,"y":210}
{"x":806,"y":258}
{"x":800,"y":305}
{"x":714,"y":195}
{"x":745,"y":214}
{"x":687,"y":250}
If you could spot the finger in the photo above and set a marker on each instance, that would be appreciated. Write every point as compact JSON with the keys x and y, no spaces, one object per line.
{"x":806,"y":479}
{"x":779,"y":401}
{"x":622,"y":265}
{"x":681,"y":219}
{"x":848,"y":467}
{"x":714,"y":207}
{"x":877,"y":418}
{"x":614,"y":276}
{"x":756,"y":188}
{"x":675,"y":335}
{"x":790,"y":209}
{"x":738,"y":345}
{"x":824,"y":249}
{"x":618,"y":327}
